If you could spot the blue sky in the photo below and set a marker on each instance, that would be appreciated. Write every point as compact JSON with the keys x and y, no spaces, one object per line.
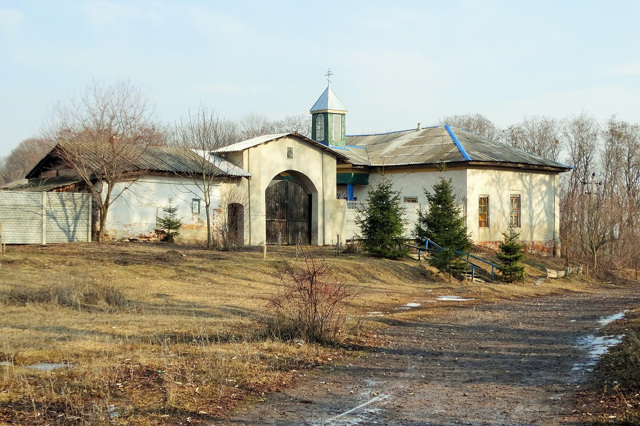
{"x":395,"y":63}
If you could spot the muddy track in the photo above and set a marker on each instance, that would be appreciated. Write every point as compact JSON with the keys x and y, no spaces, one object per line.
{"x":507,"y":363}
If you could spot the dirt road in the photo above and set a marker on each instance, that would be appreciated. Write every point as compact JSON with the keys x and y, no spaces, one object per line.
{"x":507,"y":363}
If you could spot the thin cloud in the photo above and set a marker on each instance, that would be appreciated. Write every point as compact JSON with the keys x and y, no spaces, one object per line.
{"x":10,"y":20}
{"x":626,"y":70}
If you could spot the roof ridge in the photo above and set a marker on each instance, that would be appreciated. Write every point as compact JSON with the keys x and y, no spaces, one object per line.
{"x":394,"y":131}
{"x":457,"y":142}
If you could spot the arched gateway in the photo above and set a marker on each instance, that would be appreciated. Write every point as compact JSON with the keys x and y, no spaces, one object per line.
{"x":291,"y":193}
{"x":288,"y":210}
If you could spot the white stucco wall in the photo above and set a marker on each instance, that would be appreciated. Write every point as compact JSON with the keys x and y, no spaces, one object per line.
{"x":413,"y":185}
{"x":540,"y":220}
{"x":134,"y":213}
{"x":539,"y":204}
{"x":313,"y":167}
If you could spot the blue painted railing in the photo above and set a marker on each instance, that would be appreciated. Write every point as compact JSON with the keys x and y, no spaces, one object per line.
{"x":466,"y":257}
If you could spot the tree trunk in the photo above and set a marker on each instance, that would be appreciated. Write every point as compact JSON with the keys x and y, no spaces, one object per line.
{"x":209,"y":238}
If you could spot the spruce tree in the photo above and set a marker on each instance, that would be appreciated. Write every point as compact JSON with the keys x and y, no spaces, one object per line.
{"x":444,"y":225}
{"x":509,"y":257}
{"x":169,"y":225}
{"x":381,"y":222}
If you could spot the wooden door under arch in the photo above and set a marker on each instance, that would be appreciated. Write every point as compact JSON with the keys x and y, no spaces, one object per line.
{"x":288,"y":211}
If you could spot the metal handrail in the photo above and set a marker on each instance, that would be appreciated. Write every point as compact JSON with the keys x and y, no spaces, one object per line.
{"x":468,"y":256}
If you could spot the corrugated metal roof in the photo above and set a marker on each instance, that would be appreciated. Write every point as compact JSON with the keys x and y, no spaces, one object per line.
{"x":250,"y":143}
{"x":184,"y":160}
{"x":328,"y":101}
{"x":152,"y":158}
{"x":42,"y":184}
{"x":436,"y":144}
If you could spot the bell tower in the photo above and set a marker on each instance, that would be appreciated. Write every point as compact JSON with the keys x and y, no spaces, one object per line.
{"x":328,"y":117}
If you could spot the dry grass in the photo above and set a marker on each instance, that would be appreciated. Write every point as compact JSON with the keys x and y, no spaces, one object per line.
{"x":158,"y":334}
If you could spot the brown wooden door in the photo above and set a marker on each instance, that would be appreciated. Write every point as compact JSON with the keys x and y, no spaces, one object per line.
{"x":288,"y":213}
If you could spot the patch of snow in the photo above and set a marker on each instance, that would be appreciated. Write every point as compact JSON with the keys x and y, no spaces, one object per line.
{"x":48,"y":366}
{"x":611,"y":318}
{"x":6,"y":364}
{"x":596,"y":346}
{"x":112,"y":411}
{"x":452,"y":299}
{"x":407,"y":306}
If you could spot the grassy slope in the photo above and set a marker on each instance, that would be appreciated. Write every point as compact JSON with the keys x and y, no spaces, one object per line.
{"x":189,"y":341}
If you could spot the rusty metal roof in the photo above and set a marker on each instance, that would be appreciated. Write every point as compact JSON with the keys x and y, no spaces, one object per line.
{"x":434,"y":145}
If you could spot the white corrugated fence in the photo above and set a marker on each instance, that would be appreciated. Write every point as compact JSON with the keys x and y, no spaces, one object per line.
{"x":45,"y":217}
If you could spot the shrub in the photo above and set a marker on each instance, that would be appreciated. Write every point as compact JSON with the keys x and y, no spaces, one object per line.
{"x":444,"y":225}
{"x":169,"y":225}
{"x":510,"y":255}
{"x":310,"y":306}
{"x":381,"y":222}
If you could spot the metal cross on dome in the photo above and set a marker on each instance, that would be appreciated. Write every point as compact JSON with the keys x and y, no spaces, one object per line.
{"x":329,"y":74}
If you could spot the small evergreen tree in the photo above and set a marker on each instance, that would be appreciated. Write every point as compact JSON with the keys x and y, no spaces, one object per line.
{"x":509,"y":257}
{"x":444,"y":225}
{"x":381,"y":222}
{"x":169,"y":225}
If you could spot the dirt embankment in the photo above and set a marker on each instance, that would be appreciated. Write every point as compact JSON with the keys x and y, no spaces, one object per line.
{"x":512,"y":362}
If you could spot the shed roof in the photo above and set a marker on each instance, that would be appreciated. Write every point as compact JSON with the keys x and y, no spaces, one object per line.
{"x":434,"y":145}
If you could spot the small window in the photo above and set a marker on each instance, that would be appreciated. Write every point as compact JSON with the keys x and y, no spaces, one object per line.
{"x":483,"y":211}
{"x":195,"y":206}
{"x":410,"y":199}
{"x":319,"y":127}
{"x":289,"y":152}
{"x":515,"y":211}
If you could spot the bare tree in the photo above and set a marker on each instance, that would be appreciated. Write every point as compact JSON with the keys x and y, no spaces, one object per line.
{"x":539,"y":135}
{"x":23,"y":158}
{"x":300,"y":124}
{"x":474,"y":123}
{"x":581,"y":135}
{"x":254,"y":125}
{"x":621,"y":164}
{"x":100,"y":136}
{"x":204,"y":132}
